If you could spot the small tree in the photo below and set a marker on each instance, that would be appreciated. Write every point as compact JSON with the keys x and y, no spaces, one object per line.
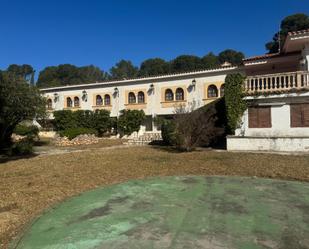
{"x":130,"y":121}
{"x":102,"y":121}
{"x":195,"y":128}
{"x":64,"y":119}
{"x":234,"y":103}
{"x":19,"y":101}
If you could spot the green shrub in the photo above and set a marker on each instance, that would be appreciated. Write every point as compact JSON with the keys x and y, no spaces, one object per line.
{"x":99,"y":120}
{"x":31,"y":131}
{"x":21,"y":148}
{"x":234,"y":103}
{"x":168,"y":131}
{"x":84,"y":118}
{"x":130,"y":121}
{"x":64,"y":119}
{"x":71,"y":133}
{"x":102,"y":122}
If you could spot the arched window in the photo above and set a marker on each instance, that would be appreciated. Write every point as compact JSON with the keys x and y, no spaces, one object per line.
{"x":107,"y":99}
{"x":169,"y":95}
{"x":76,"y":101}
{"x":141,"y":97}
{"x":222,"y":90}
{"x":132,"y":98}
{"x":49,"y":104}
{"x":69,"y":102}
{"x":212,"y":91}
{"x":179,"y":94}
{"x":98,"y":100}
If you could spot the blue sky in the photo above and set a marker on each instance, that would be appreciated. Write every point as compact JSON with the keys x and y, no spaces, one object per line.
{"x":51,"y":32}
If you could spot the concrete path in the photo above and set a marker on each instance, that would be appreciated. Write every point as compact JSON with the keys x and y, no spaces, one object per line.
{"x":178,"y":212}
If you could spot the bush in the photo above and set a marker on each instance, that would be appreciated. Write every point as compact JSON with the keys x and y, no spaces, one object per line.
{"x":130,"y":121}
{"x":102,"y":122}
{"x":31,"y":131}
{"x":71,"y":133}
{"x":21,"y":148}
{"x":168,"y":132}
{"x":199,"y":128}
{"x":64,"y":119}
{"x":99,"y":120}
{"x":84,"y":118}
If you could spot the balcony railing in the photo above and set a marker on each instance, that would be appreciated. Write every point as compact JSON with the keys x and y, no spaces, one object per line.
{"x":277,"y":82}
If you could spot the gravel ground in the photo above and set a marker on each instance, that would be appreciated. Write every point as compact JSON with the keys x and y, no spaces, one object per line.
{"x":28,"y":186}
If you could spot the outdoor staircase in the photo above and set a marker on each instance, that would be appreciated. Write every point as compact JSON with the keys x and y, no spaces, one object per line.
{"x":146,"y":138}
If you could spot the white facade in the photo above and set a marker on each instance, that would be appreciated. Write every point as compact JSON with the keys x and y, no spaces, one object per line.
{"x":280,"y":117}
{"x":194,"y":85}
{"x":281,"y":136}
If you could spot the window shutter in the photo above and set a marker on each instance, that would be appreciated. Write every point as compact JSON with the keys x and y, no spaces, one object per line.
{"x":253,"y":117}
{"x":296,"y":115}
{"x":305,"y":115}
{"x":264,"y":117}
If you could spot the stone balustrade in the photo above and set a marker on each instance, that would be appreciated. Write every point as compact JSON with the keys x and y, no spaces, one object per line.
{"x":279,"y":82}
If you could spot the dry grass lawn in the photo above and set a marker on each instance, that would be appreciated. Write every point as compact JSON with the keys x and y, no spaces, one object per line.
{"x":28,"y":186}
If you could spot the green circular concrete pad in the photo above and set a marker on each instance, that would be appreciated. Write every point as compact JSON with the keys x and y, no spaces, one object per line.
{"x":178,"y":212}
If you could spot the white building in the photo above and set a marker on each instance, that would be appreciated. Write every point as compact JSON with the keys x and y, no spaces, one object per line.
{"x":157,"y":96}
{"x":277,"y":86}
{"x":277,"y":89}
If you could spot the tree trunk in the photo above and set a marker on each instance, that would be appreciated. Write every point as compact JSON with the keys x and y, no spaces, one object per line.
{"x":5,"y":137}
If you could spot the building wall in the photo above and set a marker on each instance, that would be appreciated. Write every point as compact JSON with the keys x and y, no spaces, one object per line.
{"x":287,"y":144}
{"x":280,"y":125}
{"x":281,"y":136}
{"x":154,"y":100}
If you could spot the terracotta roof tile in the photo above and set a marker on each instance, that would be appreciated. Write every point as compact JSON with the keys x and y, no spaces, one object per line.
{"x":299,"y":32}
{"x":264,"y":56}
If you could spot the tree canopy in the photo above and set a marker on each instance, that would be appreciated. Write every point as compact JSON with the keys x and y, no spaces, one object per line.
{"x":153,"y":67}
{"x":210,"y":60}
{"x":186,"y":63}
{"x":68,"y":74}
{"x":290,"y":23}
{"x":24,"y":71}
{"x":231,"y":56}
{"x":123,"y":70}
{"x":19,"y":101}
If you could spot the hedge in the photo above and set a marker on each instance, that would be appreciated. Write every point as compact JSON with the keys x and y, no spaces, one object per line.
{"x":100,"y":120}
{"x":71,"y":133}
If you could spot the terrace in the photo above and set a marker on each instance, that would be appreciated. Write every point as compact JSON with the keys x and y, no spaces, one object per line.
{"x":278,"y":82}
